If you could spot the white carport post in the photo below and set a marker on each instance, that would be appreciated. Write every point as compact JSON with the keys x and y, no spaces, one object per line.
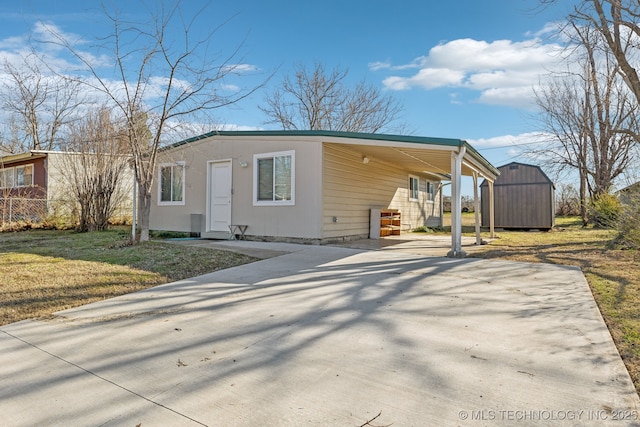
{"x":456,"y":201}
{"x":476,"y":207}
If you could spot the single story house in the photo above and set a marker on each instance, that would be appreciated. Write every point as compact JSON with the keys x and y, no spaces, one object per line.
{"x":306,"y":186}
{"x":34,"y":184}
{"x":524,"y":198}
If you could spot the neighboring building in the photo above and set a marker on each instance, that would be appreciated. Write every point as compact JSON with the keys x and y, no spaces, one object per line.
{"x":524,"y":198}
{"x":33,"y":185}
{"x":466,"y":204}
{"x":630,"y":195}
{"x":308,"y":186}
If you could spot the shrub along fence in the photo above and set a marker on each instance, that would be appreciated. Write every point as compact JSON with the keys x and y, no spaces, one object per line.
{"x":13,"y":210}
{"x":18,"y":212}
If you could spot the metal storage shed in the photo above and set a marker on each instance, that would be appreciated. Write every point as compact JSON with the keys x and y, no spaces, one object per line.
{"x":524,"y":198}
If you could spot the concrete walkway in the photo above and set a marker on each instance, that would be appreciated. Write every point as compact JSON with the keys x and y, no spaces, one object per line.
{"x":415,"y":243}
{"x":327,"y":336}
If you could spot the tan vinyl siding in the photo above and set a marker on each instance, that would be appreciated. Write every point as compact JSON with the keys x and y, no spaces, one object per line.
{"x":416,"y":213}
{"x":301,"y":220}
{"x":351,"y":188}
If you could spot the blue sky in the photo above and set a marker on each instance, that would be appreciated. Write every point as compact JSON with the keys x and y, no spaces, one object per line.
{"x":461,"y":68}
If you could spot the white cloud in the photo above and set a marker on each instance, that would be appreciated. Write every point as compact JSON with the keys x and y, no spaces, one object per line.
{"x":13,"y":43}
{"x":379,"y":65}
{"x":176,"y":130}
{"x":509,"y":141}
{"x":231,"y":126}
{"x":504,"y":72}
{"x":397,"y":83}
{"x":230,"y":87}
{"x":528,"y":146}
{"x":512,"y":96}
{"x":239,"y":68}
{"x":45,"y":41}
{"x":427,"y":78}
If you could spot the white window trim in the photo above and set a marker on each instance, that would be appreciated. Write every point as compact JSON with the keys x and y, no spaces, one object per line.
{"x":430,"y":196}
{"x":184,"y":183}
{"x":413,"y":199}
{"x":14,"y":174}
{"x":291,"y":202}
{"x":15,"y":177}
{"x":4,"y":172}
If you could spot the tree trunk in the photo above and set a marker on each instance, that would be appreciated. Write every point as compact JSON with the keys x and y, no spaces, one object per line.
{"x":583,"y":197}
{"x":144,"y":209}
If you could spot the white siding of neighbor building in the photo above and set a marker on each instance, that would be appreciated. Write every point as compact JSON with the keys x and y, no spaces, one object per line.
{"x":58,"y":190}
{"x":61,"y":200}
{"x":352,"y":188}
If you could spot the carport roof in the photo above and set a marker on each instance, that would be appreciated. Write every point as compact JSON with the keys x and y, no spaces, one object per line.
{"x":418,"y":153}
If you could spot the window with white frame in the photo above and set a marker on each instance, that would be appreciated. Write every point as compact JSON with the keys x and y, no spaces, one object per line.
{"x":430,"y":191}
{"x":171,"y":184}
{"x":414,"y":189}
{"x":24,"y":175}
{"x":274,"y":179}
{"x":6,"y":178}
{"x":17,"y":176}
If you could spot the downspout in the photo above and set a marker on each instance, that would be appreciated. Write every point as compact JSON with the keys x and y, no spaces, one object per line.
{"x":456,"y":202}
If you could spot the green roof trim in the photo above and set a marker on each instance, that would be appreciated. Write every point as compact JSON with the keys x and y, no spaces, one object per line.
{"x":450,"y":142}
{"x":328,"y":133}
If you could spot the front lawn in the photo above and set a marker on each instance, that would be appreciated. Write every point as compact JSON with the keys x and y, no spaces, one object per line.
{"x":44,"y":271}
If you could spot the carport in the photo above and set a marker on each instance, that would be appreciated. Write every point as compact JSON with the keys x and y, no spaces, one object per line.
{"x":448,"y":158}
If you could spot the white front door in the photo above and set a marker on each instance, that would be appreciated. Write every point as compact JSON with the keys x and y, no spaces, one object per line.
{"x":219,"y":209}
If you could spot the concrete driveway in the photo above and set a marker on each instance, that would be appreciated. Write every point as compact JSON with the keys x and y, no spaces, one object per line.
{"x":327,"y":336}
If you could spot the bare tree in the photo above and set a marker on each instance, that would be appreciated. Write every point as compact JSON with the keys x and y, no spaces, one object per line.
{"x":319,"y":100}
{"x":41,"y":105}
{"x":159,"y":76}
{"x":591,"y":118}
{"x":617,"y":23}
{"x":12,"y":139}
{"x":96,"y":159}
{"x":567,"y":200}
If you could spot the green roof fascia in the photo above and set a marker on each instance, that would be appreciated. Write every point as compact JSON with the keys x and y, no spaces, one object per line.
{"x":486,"y":163}
{"x":335,"y":134}
{"x":450,"y":142}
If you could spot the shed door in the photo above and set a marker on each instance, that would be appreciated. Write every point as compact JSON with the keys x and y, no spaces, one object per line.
{"x":219,"y":209}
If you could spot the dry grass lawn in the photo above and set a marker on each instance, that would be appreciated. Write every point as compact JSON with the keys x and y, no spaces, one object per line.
{"x":44,"y":271}
{"x":613,"y":275}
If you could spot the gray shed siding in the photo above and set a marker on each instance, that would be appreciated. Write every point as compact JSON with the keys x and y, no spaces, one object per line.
{"x":524,"y":198}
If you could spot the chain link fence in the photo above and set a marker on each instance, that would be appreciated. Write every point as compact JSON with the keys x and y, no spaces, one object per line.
{"x":17,"y":210}
{"x":22,"y":210}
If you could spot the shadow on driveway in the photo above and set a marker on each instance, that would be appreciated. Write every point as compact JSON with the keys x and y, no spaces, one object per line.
{"x":327,"y":336}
